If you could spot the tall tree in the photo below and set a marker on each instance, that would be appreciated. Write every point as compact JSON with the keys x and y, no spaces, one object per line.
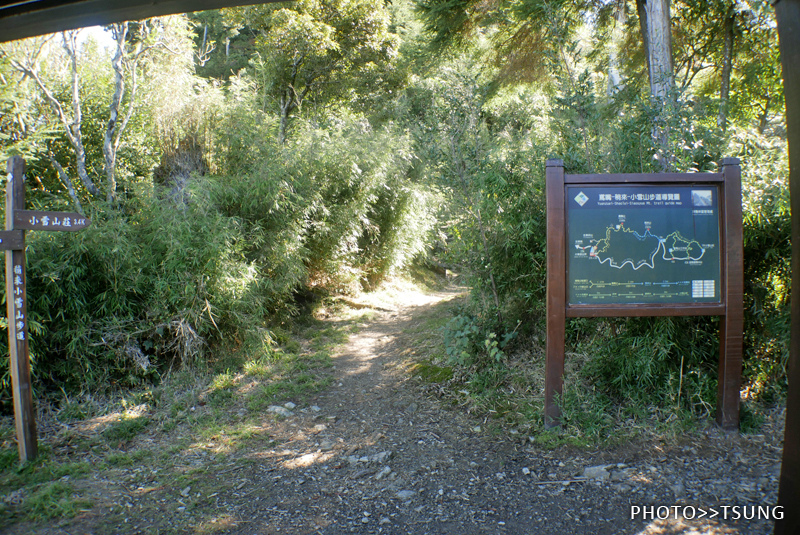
{"x":706,"y":39}
{"x":314,"y":45}
{"x":222,"y":48}
{"x":132,"y":43}
{"x":757,"y":88}
{"x":614,"y":77}
{"x":656,"y":27}
{"x":25,"y":58}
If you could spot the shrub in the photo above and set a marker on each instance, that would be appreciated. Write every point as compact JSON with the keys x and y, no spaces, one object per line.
{"x":135,"y":293}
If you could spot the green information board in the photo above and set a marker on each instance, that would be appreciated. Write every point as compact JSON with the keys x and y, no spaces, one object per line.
{"x":643,"y":244}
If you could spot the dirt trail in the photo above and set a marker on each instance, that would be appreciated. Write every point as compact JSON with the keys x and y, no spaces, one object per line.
{"x":373,"y":454}
{"x":380,"y":457}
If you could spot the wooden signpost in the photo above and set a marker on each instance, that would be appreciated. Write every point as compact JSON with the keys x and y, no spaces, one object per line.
{"x":12,"y":240}
{"x":667,"y":244}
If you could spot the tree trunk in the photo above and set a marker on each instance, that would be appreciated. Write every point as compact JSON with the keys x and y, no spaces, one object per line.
{"x":614,"y":78}
{"x":286,"y":108}
{"x":654,"y":19}
{"x":727,"y":64}
{"x":659,"y":44}
{"x":76,"y":137}
{"x":109,"y":150}
{"x":642,"y":12}
{"x":67,"y":181}
{"x":764,"y":116}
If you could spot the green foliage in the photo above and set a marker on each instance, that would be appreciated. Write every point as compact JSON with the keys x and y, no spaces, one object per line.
{"x":241,"y":149}
{"x":495,"y":233}
{"x":335,"y":211}
{"x":221,"y":50}
{"x":315,"y":50}
{"x":767,"y":262}
{"x":132,"y":295}
{"x":460,"y":338}
{"x":470,"y":346}
{"x":667,"y":361}
{"x":387,"y":150}
{"x":483,"y":156}
{"x":157,"y":285}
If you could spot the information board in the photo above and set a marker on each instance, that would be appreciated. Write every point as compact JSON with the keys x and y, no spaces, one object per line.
{"x":643,"y":244}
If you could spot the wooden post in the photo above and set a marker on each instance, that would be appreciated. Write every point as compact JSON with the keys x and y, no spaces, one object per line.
{"x":732,"y":323}
{"x":16,"y":306}
{"x":787,"y":14}
{"x":12,"y":240}
{"x":556,"y":292}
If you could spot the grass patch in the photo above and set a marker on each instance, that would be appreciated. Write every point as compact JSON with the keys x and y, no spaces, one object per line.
{"x":117,"y":459}
{"x":9,"y":458}
{"x":328,"y":337}
{"x":293,"y":387}
{"x":55,"y":500}
{"x":41,"y":489}
{"x":750,"y":417}
{"x":221,"y":390}
{"x":72,"y":411}
{"x":283,"y":375}
{"x":125,"y":429}
{"x":431,"y":373}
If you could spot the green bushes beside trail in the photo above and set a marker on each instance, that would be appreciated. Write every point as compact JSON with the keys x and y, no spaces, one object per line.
{"x":154,"y":285}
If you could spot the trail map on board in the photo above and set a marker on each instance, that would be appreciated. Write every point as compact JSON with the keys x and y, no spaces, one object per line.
{"x":643,"y":244}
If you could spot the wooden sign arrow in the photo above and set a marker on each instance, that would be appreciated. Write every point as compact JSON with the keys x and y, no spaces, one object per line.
{"x":11,"y":240}
{"x":39,"y":220}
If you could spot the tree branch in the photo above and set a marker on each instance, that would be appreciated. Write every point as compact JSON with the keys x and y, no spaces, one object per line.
{"x":72,"y":130}
{"x":67,"y":181}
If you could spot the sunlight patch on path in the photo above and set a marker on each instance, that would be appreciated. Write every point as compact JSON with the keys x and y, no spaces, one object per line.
{"x":398,"y":295}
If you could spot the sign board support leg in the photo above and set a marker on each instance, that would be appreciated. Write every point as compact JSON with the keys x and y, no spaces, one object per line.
{"x":556,"y":293}
{"x":732,"y":323}
{"x":19,"y":363}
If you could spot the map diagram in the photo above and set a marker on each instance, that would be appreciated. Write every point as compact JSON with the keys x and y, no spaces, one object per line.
{"x":643,"y":244}
{"x":626,"y":241}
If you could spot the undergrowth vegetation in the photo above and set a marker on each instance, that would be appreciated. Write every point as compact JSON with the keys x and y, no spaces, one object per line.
{"x":155,"y":285}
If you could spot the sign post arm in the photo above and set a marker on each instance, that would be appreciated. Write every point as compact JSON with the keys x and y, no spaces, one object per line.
{"x":19,"y":362}
{"x":732,"y":323}
{"x":556,"y":291}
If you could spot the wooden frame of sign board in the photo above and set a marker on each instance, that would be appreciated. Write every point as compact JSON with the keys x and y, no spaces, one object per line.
{"x":570,"y":297}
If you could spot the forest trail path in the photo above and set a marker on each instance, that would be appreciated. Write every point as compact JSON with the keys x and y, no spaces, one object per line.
{"x":375,"y":454}
{"x":378,"y":455}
